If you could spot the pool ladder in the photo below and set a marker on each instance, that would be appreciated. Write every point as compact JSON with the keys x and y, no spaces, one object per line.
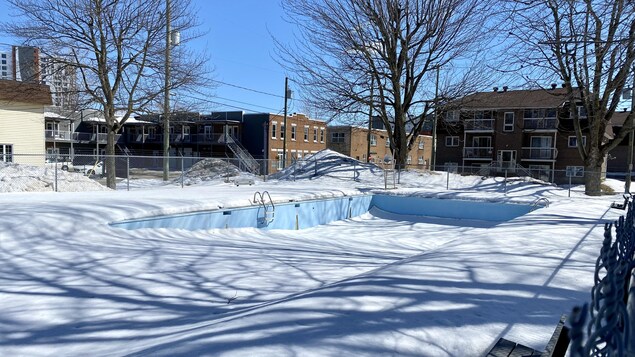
{"x":269,"y":208}
{"x":540,"y":200}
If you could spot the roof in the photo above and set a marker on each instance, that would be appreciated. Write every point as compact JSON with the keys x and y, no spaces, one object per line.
{"x":515,"y":99}
{"x":24,"y":92}
{"x":619,"y":118}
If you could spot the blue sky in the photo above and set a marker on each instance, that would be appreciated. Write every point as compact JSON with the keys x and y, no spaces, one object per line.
{"x":238,"y":41}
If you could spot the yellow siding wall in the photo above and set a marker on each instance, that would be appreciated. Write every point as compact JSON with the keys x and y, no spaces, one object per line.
{"x":22,"y":125}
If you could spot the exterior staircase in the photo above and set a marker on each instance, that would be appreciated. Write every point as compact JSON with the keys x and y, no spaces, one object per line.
{"x":243,"y":156}
{"x":498,"y":167}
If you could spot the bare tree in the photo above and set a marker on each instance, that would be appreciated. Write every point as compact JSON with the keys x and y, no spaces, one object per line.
{"x":589,"y":46}
{"x":117,"y":48}
{"x":353,"y":54}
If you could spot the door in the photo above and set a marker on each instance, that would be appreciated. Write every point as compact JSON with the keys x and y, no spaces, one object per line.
{"x":507,"y":158}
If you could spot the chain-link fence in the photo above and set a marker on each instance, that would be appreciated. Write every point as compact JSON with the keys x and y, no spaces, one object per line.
{"x":86,"y":172}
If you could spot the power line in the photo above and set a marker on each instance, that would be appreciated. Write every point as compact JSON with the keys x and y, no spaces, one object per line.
{"x":225,"y":104}
{"x":245,"y":88}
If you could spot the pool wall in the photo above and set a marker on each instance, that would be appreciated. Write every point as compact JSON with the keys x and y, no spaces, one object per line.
{"x":293,"y":215}
{"x":446,"y":208}
{"x":306,"y":214}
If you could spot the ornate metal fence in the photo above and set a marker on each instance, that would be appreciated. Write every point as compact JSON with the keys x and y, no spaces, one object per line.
{"x":606,"y":326}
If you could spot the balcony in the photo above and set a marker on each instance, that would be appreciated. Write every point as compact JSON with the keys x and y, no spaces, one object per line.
{"x":539,"y":153}
{"x":478,"y":153}
{"x":542,"y":124}
{"x":481,"y":125}
{"x":58,"y":135}
{"x":101,"y":138}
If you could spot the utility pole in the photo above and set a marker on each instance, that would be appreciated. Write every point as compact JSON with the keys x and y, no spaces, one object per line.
{"x":284,"y":125}
{"x":166,"y":99}
{"x":433,"y":159}
{"x":370,"y":118}
{"x":631,"y":135}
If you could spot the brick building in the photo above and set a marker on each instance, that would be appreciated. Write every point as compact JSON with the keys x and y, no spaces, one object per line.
{"x":353,"y":141}
{"x":512,"y":132}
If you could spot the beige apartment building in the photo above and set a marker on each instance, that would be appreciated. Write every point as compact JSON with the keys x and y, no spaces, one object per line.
{"x":353,"y":141}
{"x":22,"y":121}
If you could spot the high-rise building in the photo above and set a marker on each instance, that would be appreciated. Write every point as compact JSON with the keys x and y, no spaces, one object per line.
{"x":6,"y":65}
{"x":27,"y":64}
{"x":62,"y":80}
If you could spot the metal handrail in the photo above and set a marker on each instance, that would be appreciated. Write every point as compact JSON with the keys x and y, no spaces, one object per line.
{"x":263,"y":203}
{"x":535,"y":204}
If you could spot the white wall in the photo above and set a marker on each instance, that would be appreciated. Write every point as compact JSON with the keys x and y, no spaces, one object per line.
{"x":22,"y":125}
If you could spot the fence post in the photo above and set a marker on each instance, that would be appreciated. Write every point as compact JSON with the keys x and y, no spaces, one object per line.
{"x":447,"y":183}
{"x":128,"y":172}
{"x":569,"y":185}
{"x":55,"y":181}
{"x":354,"y":170}
{"x":505,"y":183}
{"x":315,"y":167}
{"x":55,"y":174}
{"x":182,"y":169}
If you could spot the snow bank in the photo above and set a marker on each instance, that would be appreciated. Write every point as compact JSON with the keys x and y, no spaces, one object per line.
{"x":210,"y":170}
{"x":26,"y":178}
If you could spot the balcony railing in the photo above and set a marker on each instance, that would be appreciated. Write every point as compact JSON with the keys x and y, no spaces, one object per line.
{"x":478,"y":152}
{"x":479,"y":124}
{"x":101,"y":138}
{"x":58,"y":135}
{"x":540,"y":124}
{"x":201,"y":139}
{"x":539,"y":153}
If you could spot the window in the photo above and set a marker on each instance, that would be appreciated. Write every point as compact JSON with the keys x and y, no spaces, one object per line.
{"x":321,"y":135}
{"x":337,"y":137}
{"x":573,"y":141}
{"x":581,"y":111}
{"x":508,"y":125}
{"x":420,"y":144}
{"x":6,"y":153}
{"x":306,"y":133}
{"x":387,"y":142}
{"x":282,"y":131}
{"x":575,"y":171}
{"x":280,"y":161}
{"x":452,"y":116}
{"x":274,"y":128}
{"x":293,"y":131}
{"x":420,"y":161}
{"x":152,"y":132}
{"x":408,"y":160}
{"x":315,"y":131}
{"x":451,"y":141}
{"x":373,"y":140}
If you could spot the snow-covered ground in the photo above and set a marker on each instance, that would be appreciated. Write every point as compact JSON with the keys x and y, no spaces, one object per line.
{"x":378,"y":284}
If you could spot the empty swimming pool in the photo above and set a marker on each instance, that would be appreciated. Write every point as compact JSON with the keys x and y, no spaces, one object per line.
{"x":310,"y":213}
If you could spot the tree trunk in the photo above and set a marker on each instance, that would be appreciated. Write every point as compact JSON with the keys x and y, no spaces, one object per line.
{"x":593,"y":173}
{"x":110,"y":161}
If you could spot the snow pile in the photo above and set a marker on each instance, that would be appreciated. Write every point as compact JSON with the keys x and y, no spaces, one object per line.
{"x":329,"y":163}
{"x":210,"y":170}
{"x":27,"y":178}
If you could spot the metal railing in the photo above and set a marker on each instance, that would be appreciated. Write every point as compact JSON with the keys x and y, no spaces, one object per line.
{"x":478,"y":152}
{"x":539,"y":153}
{"x":540,"y":123}
{"x":478,"y":124}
